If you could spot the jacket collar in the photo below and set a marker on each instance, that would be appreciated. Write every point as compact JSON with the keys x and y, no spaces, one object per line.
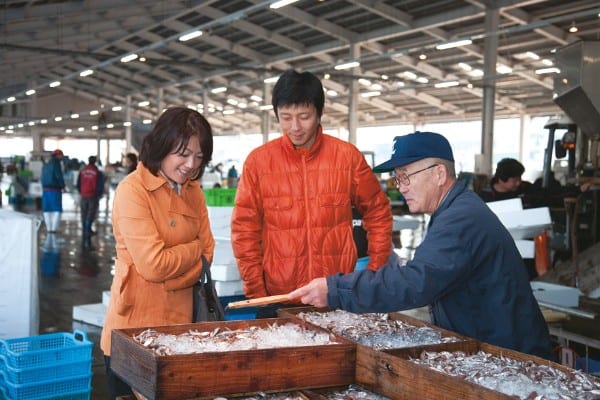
{"x":152,"y":182}
{"x":310,"y":153}
{"x":454,"y":191}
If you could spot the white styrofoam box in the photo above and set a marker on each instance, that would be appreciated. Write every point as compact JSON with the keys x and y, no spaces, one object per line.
{"x":19,"y":292}
{"x":405,"y":222}
{"x":226,"y":273}
{"x":526,"y":248}
{"x":35,"y":189}
{"x":503,"y":206}
{"x":526,"y":224}
{"x":220,"y":221}
{"x":223,"y":252}
{"x":229,"y":288}
{"x":106,"y":297}
{"x":92,"y":314}
{"x":565,"y":296}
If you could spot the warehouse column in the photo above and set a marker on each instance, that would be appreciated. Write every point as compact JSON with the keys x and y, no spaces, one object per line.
{"x":128,"y":133}
{"x":159,"y":101}
{"x":266,"y":114}
{"x":489,"y":88}
{"x":353,"y":96}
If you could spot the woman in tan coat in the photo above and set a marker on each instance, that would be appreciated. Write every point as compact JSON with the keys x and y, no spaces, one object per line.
{"x":161,"y":228}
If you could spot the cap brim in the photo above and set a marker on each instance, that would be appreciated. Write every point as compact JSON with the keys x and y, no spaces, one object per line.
{"x":394,"y":163}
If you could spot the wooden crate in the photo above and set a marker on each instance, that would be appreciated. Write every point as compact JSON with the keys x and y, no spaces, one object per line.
{"x":396,"y":316}
{"x":390,"y":373}
{"x":229,"y":373}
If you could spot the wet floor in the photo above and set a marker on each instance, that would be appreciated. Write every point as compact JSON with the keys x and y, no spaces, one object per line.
{"x":70,"y":276}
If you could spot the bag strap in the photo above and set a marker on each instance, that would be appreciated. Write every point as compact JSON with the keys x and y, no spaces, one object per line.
{"x":205,"y":276}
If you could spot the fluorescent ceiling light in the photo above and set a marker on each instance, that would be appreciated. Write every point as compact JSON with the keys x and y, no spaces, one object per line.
{"x":364,"y":82}
{"x":129,"y":57}
{"x":551,"y":70}
{"x":532,"y":55}
{"x":110,"y":126}
{"x":94,"y":112}
{"x":422,"y":79}
{"x":30,"y":92}
{"x":94,"y":127}
{"x":266,"y":107}
{"x":503,"y":69}
{"x":11,"y":99}
{"x":400,"y":84}
{"x":228,"y":112}
{"x":20,"y":125}
{"x":68,"y":130}
{"x":376,"y":86}
{"x":43,"y":121}
{"x":144,"y":103}
{"x":58,"y":119}
{"x":31,"y":123}
{"x":371,"y":94}
{"x":219,"y":89}
{"x":450,"y":45}
{"x":81,"y":129}
{"x":446,"y":84}
{"x":54,"y":84}
{"x":85,"y":73}
{"x":127,"y":123}
{"x":233,"y":102}
{"x":547,"y":62}
{"x":74,"y":116}
{"x":476,"y":73}
{"x":255,"y":98}
{"x":146,"y":121}
{"x":465,"y":66}
{"x":410,"y":75}
{"x":331,"y":93}
{"x":117,"y":108}
{"x":272,"y":79}
{"x":347,"y":65}
{"x":282,"y":3}
{"x":189,"y":36}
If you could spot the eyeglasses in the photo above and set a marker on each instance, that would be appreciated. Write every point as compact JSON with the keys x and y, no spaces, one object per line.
{"x":404,"y":179}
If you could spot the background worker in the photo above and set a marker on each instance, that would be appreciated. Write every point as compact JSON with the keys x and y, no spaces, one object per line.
{"x":90,"y":184}
{"x":161,"y":228}
{"x":130,"y":162}
{"x":507,"y":182}
{"x":53,"y":184}
{"x":467,"y":269}
{"x":292,"y":219}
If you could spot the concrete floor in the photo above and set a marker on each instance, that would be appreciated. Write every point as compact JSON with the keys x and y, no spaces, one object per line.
{"x":70,"y":276}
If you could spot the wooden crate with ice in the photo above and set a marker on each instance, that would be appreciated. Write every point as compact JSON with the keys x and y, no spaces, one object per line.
{"x":471,"y":370}
{"x":377,"y":331}
{"x":231,"y":358}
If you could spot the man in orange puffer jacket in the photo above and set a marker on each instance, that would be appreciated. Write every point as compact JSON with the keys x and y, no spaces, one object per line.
{"x":292,"y":220}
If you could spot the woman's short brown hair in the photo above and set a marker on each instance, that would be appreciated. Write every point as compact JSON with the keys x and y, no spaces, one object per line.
{"x":171,"y":134}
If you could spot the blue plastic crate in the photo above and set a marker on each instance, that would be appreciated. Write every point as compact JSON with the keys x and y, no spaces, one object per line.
{"x":46,"y":350}
{"x":237,"y":314}
{"x":73,"y":388}
{"x":46,"y":372}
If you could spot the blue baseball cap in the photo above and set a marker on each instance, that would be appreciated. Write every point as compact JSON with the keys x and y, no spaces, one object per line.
{"x":414,"y":147}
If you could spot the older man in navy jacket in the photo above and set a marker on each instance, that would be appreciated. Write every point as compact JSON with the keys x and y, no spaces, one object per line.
{"x":467,"y":269}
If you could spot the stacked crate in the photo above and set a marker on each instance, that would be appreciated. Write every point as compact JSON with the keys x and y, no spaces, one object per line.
{"x":48,"y":366}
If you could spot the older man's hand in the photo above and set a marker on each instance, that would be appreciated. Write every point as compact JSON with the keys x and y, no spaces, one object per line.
{"x":315,"y":293}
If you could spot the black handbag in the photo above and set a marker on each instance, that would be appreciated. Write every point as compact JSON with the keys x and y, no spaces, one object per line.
{"x":207,"y":306}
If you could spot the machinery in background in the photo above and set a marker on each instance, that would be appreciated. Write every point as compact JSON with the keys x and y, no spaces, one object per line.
{"x":577,"y":92}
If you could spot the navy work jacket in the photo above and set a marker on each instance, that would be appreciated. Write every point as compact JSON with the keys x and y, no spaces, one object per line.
{"x":467,"y":269}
